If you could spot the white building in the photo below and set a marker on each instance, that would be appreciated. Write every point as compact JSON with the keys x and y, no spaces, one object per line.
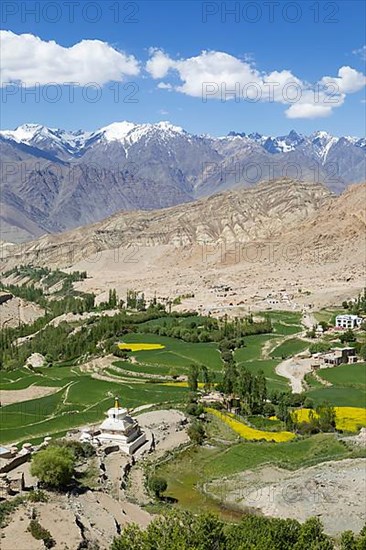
{"x":348,"y":321}
{"x":118,"y":429}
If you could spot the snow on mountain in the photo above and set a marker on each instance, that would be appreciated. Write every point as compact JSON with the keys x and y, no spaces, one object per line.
{"x":40,"y":136}
{"x":24,"y":133}
{"x":130,"y":133}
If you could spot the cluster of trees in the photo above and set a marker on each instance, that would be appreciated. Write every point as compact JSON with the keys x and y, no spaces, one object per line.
{"x":323,"y":419}
{"x":45,"y":275}
{"x":348,"y":336}
{"x":75,"y":302}
{"x":183,"y":530}
{"x":250,"y":389}
{"x":135,"y":300}
{"x":228,"y":333}
{"x":200,"y":372}
{"x":358,"y":306}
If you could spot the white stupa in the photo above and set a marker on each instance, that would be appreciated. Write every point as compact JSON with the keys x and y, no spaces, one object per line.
{"x":121,"y":429}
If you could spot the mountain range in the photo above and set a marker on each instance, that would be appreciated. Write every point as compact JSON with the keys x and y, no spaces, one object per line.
{"x":54,"y":180}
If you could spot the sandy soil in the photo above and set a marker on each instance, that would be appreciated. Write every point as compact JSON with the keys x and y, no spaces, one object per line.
{"x":295,"y":369}
{"x":170,"y":272}
{"x":333,"y":491}
{"x":17,"y":311}
{"x":7,"y":397}
{"x":166,"y":427}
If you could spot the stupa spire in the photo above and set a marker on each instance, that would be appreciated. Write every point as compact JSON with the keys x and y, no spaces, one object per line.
{"x":116,"y":403}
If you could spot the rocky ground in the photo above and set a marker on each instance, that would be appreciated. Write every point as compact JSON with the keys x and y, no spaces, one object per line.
{"x":17,"y":311}
{"x":333,"y":491}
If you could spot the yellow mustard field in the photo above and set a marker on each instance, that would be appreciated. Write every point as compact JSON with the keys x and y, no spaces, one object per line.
{"x":140,"y":347}
{"x":181,"y":384}
{"x":247,"y":432}
{"x":349,"y":419}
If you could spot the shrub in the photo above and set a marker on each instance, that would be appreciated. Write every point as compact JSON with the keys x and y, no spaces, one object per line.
{"x":319,"y":347}
{"x":54,"y":466}
{"x":37,"y":496}
{"x":194,"y":409}
{"x":196,"y":433}
{"x":40,"y":533}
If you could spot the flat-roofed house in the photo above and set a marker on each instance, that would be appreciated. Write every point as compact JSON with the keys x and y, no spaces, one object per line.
{"x":348,"y":321}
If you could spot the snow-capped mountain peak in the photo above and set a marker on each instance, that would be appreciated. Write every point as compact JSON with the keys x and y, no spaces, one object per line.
{"x":24,"y":133}
{"x":131,"y":133}
{"x":45,"y":138}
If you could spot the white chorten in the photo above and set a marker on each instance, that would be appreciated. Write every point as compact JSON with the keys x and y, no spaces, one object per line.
{"x":121,"y":429}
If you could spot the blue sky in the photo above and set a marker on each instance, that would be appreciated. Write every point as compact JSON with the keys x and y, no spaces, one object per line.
{"x":151,"y":54}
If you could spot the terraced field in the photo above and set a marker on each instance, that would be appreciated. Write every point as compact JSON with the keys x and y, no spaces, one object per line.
{"x":79,"y":399}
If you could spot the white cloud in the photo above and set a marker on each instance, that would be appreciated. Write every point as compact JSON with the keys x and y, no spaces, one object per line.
{"x":308,"y":110}
{"x":361,"y":52}
{"x":30,"y":60}
{"x":165,"y":86}
{"x":221,"y":76}
{"x":348,"y":81}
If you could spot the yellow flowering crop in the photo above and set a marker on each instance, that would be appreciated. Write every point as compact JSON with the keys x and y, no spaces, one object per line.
{"x":347,"y":418}
{"x":247,"y":432}
{"x":140,"y":346}
{"x":181,"y":384}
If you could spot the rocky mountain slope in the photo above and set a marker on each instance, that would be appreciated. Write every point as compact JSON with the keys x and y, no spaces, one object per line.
{"x":237,"y":216}
{"x":53,"y":180}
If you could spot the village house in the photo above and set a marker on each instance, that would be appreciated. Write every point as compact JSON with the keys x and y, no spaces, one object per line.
{"x":340,"y":356}
{"x":348,"y":321}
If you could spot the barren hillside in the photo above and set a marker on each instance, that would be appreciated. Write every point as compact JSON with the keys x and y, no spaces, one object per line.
{"x":235,"y":216}
{"x":278,"y":236}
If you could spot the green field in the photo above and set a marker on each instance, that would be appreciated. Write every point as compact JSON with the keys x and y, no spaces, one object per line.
{"x":289,"y":348}
{"x":79,"y":400}
{"x":339,"y":396}
{"x":346,"y":375}
{"x":253,"y":347}
{"x":285,"y":322}
{"x":348,"y":386}
{"x":176,"y":353}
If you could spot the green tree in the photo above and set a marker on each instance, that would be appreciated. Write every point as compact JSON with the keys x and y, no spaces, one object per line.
{"x":193,"y":378}
{"x":54,"y":466}
{"x":157,"y":485}
{"x":348,"y":336}
{"x":326,"y":419}
{"x":175,"y":531}
{"x":196,"y":433}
